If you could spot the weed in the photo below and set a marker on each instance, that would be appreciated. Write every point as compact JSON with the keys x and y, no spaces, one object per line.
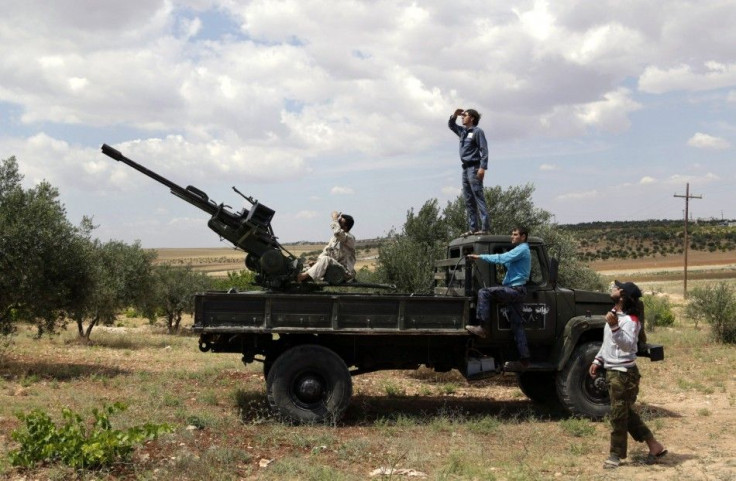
{"x":577,"y":427}
{"x":393,"y":389}
{"x":27,"y":381}
{"x":704,"y":412}
{"x":484,"y":425}
{"x":208,"y":397}
{"x":450,"y":388}
{"x":71,"y":444}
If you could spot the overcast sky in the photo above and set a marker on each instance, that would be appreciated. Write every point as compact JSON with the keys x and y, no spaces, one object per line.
{"x":608,"y":107}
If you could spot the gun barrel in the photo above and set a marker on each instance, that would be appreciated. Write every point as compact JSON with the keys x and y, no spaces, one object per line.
{"x":115,"y":154}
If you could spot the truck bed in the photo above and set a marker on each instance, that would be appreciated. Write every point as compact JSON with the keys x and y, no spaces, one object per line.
{"x":337,"y":313}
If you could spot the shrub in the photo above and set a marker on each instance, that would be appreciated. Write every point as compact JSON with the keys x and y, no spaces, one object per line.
{"x":243,"y":280}
{"x":717,"y":306}
{"x":71,"y":444}
{"x":658,"y":311}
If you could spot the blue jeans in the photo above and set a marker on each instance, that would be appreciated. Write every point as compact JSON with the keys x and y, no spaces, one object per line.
{"x":514,"y":297}
{"x":475,"y":200}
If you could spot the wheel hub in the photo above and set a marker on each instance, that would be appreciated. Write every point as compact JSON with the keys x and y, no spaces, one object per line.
{"x":309,"y":388}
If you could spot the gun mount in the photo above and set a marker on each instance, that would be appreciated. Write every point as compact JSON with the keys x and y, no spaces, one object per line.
{"x":249,"y":230}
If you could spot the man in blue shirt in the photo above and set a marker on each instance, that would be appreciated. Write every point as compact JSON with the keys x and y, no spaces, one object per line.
{"x":518,"y":263}
{"x":474,"y":158}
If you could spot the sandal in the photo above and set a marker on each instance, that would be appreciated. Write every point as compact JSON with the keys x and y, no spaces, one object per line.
{"x":654,"y":458}
{"x":466,"y":234}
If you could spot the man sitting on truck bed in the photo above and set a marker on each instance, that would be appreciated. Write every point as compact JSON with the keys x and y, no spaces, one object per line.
{"x":340,"y":251}
{"x":512,"y":291}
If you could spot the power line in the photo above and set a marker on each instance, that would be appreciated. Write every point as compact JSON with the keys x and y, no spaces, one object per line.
{"x":687,"y":197}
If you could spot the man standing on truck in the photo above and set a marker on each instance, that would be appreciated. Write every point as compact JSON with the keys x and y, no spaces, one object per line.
{"x":518,"y":264}
{"x":474,"y":158}
{"x":339,"y":251}
{"x":618,"y":357}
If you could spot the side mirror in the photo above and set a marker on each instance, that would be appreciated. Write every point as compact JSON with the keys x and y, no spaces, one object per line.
{"x":554,"y":266}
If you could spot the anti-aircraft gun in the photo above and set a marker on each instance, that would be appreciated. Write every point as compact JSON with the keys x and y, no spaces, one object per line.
{"x":249,"y":230}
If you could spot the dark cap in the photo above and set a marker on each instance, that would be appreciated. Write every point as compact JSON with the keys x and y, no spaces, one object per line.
{"x":631,"y":289}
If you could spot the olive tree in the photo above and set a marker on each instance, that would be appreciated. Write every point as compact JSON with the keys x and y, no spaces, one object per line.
{"x":407,"y":258}
{"x":42,"y":255}
{"x":121,"y":276}
{"x":173,"y":292}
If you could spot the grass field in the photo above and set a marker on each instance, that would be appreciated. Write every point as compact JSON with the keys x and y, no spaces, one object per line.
{"x":421,"y":422}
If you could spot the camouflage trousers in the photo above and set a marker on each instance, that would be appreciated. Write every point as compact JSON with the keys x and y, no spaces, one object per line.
{"x":623,"y":387}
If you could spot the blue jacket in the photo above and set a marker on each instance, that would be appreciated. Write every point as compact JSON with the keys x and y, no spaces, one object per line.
{"x":518,"y":264}
{"x":473,"y":144}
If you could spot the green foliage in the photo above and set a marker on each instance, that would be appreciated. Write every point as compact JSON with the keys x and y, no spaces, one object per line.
{"x":658,"y":311}
{"x":243,"y":280}
{"x":716,"y":304}
{"x":406,"y":259}
{"x":577,"y":427}
{"x":42,"y":255}
{"x":121,"y":277}
{"x":508,"y":208}
{"x":174,"y":290}
{"x":73,"y":444}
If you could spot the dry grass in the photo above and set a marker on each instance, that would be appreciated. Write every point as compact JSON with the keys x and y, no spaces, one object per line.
{"x":437,"y":424}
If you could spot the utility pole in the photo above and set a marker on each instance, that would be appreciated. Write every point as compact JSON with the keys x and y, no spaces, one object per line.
{"x":687,"y":197}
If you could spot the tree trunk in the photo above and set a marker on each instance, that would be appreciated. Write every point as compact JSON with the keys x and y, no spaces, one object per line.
{"x":178,"y":321}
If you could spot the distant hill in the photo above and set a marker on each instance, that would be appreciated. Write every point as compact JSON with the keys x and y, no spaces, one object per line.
{"x":650,"y":238}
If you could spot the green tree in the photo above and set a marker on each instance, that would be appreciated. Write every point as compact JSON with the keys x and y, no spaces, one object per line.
{"x":174,"y":290}
{"x":42,"y":255}
{"x":716,"y":304}
{"x":407,"y":258}
{"x":508,"y":208}
{"x":121,"y":276}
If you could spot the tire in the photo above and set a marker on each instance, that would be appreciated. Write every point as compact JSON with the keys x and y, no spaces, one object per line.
{"x":309,"y":384}
{"x":580,"y":394}
{"x":539,"y":387}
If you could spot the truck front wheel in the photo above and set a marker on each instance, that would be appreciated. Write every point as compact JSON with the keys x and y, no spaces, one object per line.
{"x":309,"y":384}
{"x":579,"y":393}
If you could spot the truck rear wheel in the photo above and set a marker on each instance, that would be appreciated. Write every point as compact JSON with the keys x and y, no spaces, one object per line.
{"x":579,"y":393}
{"x":309,"y":384}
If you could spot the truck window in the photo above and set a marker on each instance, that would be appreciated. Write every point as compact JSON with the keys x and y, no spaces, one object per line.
{"x":537,"y":275}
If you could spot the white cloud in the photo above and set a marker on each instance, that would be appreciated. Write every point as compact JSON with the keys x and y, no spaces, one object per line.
{"x":290,"y":98}
{"x":587,"y":194}
{"x":306,"y":214}
{"x":705,"y":141}
{"x":711,"y":75}
{"x":337,"y":190}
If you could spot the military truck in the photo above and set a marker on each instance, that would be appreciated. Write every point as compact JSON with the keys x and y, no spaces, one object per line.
{"x":312,"y":342}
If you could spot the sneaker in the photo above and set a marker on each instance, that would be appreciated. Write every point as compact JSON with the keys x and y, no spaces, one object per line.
{"x":612,"y":462}
{"x":476,"y":330}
